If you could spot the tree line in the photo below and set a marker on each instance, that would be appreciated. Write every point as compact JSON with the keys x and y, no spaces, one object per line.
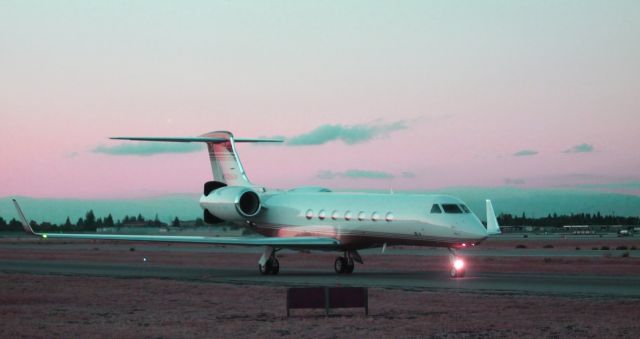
{"x":89,"y":223}
{"x":555,"y":220}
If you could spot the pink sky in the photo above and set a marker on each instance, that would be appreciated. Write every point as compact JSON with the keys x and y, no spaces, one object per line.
{"x":473,"y":85}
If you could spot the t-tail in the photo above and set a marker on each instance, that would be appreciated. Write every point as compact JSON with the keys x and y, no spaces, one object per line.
{"x":225,"y":164}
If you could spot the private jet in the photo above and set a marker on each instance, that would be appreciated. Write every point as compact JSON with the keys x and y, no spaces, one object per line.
{"x":315,"y":218}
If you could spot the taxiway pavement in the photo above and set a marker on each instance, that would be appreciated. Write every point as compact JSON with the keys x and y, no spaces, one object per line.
{"x":479,"y":282}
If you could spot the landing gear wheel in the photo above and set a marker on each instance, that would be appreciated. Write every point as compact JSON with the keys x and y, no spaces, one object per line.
{"x":454,"y":273}
{"x":349,"y":268}
{"x":272,"y":266}
{"x":264,"y":269}
{"x":275,"y":266}
{"x":340,"y":265}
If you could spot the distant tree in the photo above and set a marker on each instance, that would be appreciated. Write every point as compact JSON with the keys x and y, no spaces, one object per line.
{"x":156,"y":221}
{"x":80,"y":222}
{"x":90,"y":219}
{"x":140,"y":218}
{"x":14,"y":225}
{"x":108,"y":221}
{"x":67,"y":223}
{"x":176,"y":222}
{"x":199,"y":222}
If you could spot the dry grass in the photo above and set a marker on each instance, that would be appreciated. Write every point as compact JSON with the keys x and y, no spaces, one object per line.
{"x":54,"y":306}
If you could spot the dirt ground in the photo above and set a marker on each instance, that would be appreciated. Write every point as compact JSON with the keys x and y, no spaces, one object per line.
{"x":34,"y":306}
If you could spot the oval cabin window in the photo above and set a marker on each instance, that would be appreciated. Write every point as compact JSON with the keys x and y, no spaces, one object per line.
{"x":361,"y":216}
{"x":335,"y":215}
{"x":309,"y":214}
{"x":375,"y":216}
{"x":347,"y":215}
{"x":322,"y":214}
{"x":389,"y":217}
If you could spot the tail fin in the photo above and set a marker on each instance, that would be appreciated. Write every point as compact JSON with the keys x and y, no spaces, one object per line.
{"x":492,"y":223}
{"x":225,"y":164}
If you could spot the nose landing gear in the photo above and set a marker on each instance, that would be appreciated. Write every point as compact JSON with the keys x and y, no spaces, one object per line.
{"x":457,"y":265}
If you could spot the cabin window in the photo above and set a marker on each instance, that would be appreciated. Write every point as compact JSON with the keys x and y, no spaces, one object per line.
{"x":464,"y":208}
{"x":361,"y":216}
{"x":451,"y":208}
{"x":322,"y":214}
{"x":436,"y":209}
{"x":335,"y":215}
{"x":389,"y":217}
{"x":347,"y":215}
{"x":375,"y":216}
{"x":309,"y":214}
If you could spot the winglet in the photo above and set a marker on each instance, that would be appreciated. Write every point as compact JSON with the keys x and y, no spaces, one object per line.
{"x":492,"y":223}
{"x":23,"y":219}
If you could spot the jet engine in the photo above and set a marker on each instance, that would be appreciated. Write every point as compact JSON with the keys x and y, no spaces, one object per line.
{"x":231,"y":203}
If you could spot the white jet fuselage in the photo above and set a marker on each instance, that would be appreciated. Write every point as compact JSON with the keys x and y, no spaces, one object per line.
{"x":364,"y":220}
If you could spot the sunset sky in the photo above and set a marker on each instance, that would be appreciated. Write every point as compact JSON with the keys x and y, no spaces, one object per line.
{"x":368,"y":94}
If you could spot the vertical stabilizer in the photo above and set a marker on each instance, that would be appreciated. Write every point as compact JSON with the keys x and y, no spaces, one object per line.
{"x":225,"y":164}
{"x":492,"y":223}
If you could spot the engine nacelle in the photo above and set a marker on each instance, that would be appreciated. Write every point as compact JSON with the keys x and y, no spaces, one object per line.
{"x":232,"y":203}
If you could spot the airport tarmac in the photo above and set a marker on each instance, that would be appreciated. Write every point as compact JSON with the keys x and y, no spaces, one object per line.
{"x":492,"y":270}
{"x":90,"y":288}
{"x":478,"y":282}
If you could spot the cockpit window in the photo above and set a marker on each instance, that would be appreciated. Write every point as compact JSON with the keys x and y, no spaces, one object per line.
{"x":436,"y":209}
{"x":451,"y":208}
{"x":464,"y":208}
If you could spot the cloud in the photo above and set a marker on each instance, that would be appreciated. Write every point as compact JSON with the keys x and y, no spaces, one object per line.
{"x":509,"y":181}
{"x":525,"y":153}
{"x":582,"y":148}
{"x":326,"y":175}
{"x":627,"y":185}
{"x":355,"y":174}
{"x":147,"y":149}
{"x":349,"y":134}
{"x":408,"y":175}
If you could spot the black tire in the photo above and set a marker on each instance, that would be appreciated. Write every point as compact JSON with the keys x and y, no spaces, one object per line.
{"x":456,"y":273}
{"x":349,"y":268}
{"x":339,"y":265}
{"x":265,"y":269}
{"x":275,"y":266}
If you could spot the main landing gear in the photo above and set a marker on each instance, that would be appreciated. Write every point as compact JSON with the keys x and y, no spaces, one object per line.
{"x":457,"y":265}
{"x":268,"y":263}
{"x":346,"y":264}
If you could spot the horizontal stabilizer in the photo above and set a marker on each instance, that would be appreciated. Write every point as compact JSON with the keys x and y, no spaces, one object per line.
{"x":194,"y":139}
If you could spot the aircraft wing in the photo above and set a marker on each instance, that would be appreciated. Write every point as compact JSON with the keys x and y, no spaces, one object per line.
{"x":280,"y":242}
{"x":289,"y":242}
